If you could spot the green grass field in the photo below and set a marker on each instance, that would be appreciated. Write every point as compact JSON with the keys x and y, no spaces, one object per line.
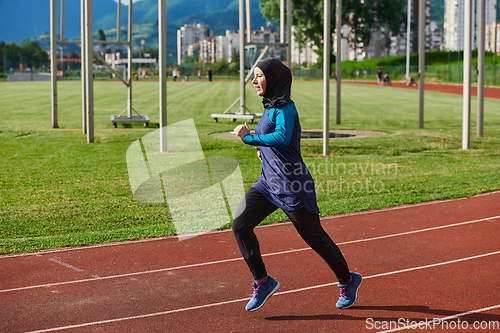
{"x":56,"y":190}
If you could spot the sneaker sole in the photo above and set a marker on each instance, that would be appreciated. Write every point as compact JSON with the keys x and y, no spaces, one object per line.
{"x":265,"y":300}
{"x":359,"y":286}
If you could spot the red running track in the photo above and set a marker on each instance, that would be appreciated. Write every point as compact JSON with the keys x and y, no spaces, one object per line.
{"x":456,"y":89}
{"x":420,"y":262}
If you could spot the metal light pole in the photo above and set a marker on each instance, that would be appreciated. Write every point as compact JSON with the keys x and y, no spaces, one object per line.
{"x":467,"y":75}
{"x":53,"y":59}
{"x":119,"y":21}
{"x":130,"y":50}
{"x":338,"y":57}
{"x":62,"y":20}
{"x":289,"y":33}
{"x":408,"y":33}
{"x":242,"y":57}
{"x":162,"y":58}
{"x":326,"y":79}
{"x":62,"y":57}
{"x":249,"y":20}
{"x":282,"y":21}
{"x":495,"y":55}
{"x":89,"y":80}
{"x":480,"y":78}
{"x":421,"y":62}
{"x":83,"y":66}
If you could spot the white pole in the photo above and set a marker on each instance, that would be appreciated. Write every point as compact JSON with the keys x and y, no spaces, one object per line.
{"x":289,"y":33}
{"x":495,"y":53}
{"x":480,"y":79}
{"x":282,"y":21}
{"x":62,"y":58}
{"x":242,"y":56}
{"x":119,"y":21}
{"x":408,"y":36}
{"x":89,"y":72}
{"x":326,"y":79}
{"x":338,"y":57}
{"x":162,"y":58}
{"x":129,"y":103}
{"x":467,"y":74}
{"x":421,"y":62}
{"x":62,"y":21}
{"x":249,"y":21}
{"x":83,"y":67}
{"x":53,"y":59}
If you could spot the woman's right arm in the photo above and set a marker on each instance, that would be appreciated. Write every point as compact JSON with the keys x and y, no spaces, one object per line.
{"x":285,"y":122}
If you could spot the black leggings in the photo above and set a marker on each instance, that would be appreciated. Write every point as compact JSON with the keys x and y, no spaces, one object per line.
{"x":255,"y":207}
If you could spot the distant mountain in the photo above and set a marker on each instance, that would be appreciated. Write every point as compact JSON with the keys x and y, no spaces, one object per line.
{"x":27,"y":18}
{"x":22,"y":19}
{"x":437,"y":12}
{"x":145,"y":30}
{"x":230,"y":21}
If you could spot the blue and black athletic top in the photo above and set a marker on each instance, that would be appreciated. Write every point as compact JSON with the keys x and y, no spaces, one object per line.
{"x":285,"y":179}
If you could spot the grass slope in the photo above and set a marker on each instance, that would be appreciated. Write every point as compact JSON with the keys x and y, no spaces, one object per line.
{"x":56,"y":190}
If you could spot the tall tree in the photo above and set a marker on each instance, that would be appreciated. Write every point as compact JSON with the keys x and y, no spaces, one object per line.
{"x":2,"y":52}
{"x":12,"y":56}
{"x":362,"y":16}
{"x":33,"y":55}
{"x":102,"y":37}
{"x":152,"y":52}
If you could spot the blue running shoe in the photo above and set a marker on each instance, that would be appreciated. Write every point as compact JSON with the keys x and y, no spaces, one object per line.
{"x":261,"y":294}
{"x":349,"y":292}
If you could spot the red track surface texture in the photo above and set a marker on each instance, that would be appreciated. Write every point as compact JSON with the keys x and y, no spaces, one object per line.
{"x":420,"y":262}
{"x":456,"y":89}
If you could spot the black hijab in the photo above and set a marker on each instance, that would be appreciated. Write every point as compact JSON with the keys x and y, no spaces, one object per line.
{"x":278,"y":83}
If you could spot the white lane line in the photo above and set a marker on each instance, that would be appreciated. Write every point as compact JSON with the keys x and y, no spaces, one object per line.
{"x":122,"y":275}
{"x":490,"y":219}
{"x":138,"y":317}
{"x":439,"y":321}
{"x":396,"y":272}
{"x":246,"y":299}
{"x":239,"y":258}
{"x":66,"y":265}
{"x":374,"y":211}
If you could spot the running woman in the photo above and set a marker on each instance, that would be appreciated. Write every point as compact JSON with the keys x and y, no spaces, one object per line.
{"x":284,"y":183}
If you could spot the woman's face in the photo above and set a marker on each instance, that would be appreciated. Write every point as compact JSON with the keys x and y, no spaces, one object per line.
{"x":259,"y":81}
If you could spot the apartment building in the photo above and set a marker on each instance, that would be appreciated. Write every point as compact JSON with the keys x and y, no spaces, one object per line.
{"x":454,"y":22}
{"x":191,"y":34}
{"x":305,"y":54}
{"x":265,"y":35}
{"x":208,"y":48}
{"x":233,"y":45}
{"x":491,"y":37}
{"x":222,"y":47}
{"x":199,"y":40}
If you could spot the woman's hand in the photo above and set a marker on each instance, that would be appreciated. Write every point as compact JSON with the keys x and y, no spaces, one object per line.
{"x":258,"y":153}
{"x":241,"y":130}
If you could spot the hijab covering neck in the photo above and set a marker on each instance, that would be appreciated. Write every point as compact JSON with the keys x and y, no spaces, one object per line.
{"x":278,"y":83}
